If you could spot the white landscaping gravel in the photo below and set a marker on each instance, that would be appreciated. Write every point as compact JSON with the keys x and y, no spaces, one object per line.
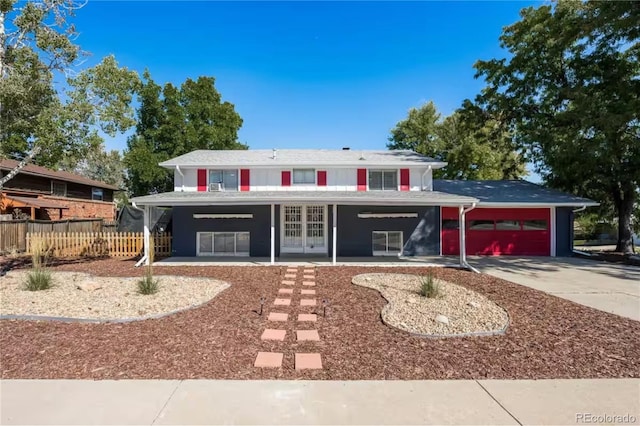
{"x":466,"y":310}
{"x":115,"y":299}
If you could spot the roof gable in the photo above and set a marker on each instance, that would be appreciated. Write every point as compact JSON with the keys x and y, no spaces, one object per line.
{"x":32,"y":169}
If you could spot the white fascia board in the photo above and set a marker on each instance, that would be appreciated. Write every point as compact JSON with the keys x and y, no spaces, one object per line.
{"x":254,"y":202}
{"x":434,"y":165}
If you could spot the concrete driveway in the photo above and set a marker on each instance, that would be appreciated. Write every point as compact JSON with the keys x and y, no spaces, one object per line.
{"x":609,"y":287}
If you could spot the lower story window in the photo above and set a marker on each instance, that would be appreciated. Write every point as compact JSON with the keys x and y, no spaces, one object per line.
{"x":387,"y":243}
{"x":223,"y":244}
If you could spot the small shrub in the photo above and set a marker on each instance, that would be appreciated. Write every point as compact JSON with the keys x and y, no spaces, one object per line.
{"x":428,"y":287}
{"x":38,"y":279}
{"x":148,"y":285}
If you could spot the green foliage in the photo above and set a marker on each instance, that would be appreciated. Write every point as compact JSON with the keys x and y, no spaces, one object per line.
{"x":172,"y":122}
{"x":147,"y":284}
{"x":474,"y":145}
{"x":38,"y":115}
{"x":38,"y":279}
{"x":571,"y":90}
{"x":428,"y":286}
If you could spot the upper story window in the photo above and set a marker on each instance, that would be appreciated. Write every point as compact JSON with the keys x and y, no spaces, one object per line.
{"x":304,"y":176}
{"x":383,"y":180}
{"x":58,"y":188}
{"x":97,"y":194}
{"x":228,"y":179}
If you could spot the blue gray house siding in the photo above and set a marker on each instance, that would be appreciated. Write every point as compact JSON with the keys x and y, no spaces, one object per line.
{"x":421,"y":235}
{"x":185,"y":227}
{"x":564,"y":231}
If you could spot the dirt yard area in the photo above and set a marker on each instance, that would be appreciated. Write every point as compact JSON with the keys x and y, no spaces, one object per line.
{"x":547,"y":337}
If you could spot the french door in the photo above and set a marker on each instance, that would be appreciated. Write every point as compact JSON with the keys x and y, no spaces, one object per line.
{"x":304,"y":229}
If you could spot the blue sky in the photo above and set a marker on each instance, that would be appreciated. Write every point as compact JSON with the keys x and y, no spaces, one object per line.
{"x":307,"y":74}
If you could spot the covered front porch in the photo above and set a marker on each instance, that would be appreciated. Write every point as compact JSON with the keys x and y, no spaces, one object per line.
{"x":331,"y":227}
{"x":296,"y":261}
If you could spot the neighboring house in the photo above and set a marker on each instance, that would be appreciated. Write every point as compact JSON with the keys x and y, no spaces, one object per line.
{"x":49,"y":194}
{"x":353,"y":203}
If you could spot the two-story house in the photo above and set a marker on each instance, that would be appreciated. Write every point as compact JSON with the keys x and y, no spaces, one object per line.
{"x":352,"y":203}
{"x":51,"y":194}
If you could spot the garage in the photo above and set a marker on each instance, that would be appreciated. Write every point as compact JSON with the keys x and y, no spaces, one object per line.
{"x":498,"y":231}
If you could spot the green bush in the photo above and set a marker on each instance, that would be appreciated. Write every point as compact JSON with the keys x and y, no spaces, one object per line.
{"x":428,"y":287}
{"x":38,"y":279}
{"x":148,"y":285}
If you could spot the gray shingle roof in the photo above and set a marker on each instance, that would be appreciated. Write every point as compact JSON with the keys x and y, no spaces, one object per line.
{"x":509,"y":192}
{"x":301,"y":157}
{"x":327,"y":197}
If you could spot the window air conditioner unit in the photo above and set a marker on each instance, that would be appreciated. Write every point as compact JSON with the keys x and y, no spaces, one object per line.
{"x":216,"y":186}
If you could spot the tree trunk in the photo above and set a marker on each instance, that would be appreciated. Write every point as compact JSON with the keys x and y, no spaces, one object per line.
{"x":625,"y":209}
{"x":20,"y":166}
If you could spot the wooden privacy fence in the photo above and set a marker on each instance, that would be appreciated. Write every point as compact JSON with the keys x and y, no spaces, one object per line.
{"x":113,"y":244}
{"x":13,"y":233}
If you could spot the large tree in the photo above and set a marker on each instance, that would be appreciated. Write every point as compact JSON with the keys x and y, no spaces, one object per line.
{"x":50,"y":106}
{"x":172,"y":122}
{"x":475,"y":145}
{"x":571,"y":89}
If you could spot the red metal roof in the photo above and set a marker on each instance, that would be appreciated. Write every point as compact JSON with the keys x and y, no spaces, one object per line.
{"x":38,"y":202}
{"x":32,"y":169}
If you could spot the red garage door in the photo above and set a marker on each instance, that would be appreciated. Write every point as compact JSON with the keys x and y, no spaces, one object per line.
{"x":522,"y":232}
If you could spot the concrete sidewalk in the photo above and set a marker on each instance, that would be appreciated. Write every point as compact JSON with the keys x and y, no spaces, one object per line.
{"x":319,"y":402}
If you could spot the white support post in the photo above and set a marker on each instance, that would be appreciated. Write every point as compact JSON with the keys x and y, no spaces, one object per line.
{"x":335,"y":235}
{"x":273,"y":234}
{"x":552,"y":232}
{"x":146,"y":235}
{"x":463,"y":240}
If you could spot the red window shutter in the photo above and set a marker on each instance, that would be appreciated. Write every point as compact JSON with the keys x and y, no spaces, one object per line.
{"x":404,"y":179}
{"x":286,"y":178}
{"x":245,"y":179}
{"x":362,"y":179}
{"x":322,"y":178}
{"x":202,"y":180}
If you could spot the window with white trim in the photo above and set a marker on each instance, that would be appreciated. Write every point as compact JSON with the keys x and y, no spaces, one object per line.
{"x":97,"y":194}
{"x":228,"y":178}
{"x":304,"y":176}
{"x":387,"y":243}
{"x":59,"y":188}
{"x":222,"y":244}
{"x":383,"y":180}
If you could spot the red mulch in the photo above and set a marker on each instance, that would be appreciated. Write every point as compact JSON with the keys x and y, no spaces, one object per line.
{"x":548,"y":337}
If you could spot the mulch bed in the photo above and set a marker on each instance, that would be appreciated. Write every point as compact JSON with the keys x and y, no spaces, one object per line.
{"x":548,"y":337}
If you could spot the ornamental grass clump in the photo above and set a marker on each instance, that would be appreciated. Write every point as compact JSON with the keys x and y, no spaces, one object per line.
{"x":428,"y":287}
{"x":39,"y":278}
{"x":148,"y":284}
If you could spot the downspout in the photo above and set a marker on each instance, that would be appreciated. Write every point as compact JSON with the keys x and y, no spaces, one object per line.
{"x":580,"y":252}
{"x":181,"y":178}
{"x":463,"y":239}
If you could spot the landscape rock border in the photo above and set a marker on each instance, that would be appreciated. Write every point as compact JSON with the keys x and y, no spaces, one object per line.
{"x":389,"y":307}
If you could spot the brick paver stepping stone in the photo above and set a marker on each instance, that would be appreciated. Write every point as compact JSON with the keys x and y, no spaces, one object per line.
{"x":307,"y":335}
{"x":306,"y":291}
{"x":269,"y":360}
{"x":271,"y":334}
{"x":292,"y":270}
{"x":309,"y":283}
{"x":308,"y":271}
{"x":285,"y":291}
{"x":307,"y":302}
{"x":308,"y":362}
{"x":290,"y":276}
{"x":282,"y":302}
{"x":308,"y":277}
{"x":288,"y":283}
{"x":307,"y":317}
{"x":277,"y":316}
